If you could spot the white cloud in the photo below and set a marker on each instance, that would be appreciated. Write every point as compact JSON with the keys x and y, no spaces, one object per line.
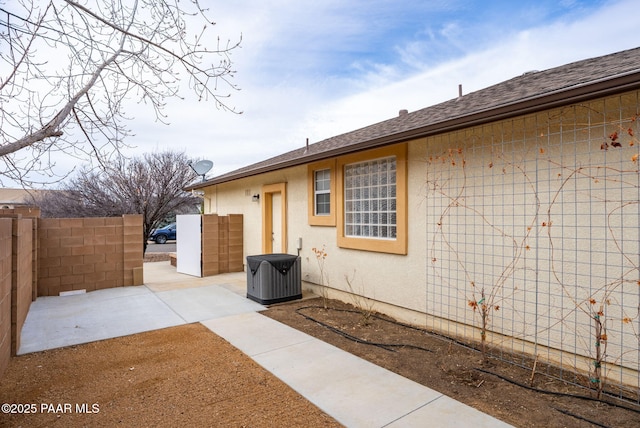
{"x":536,"y":48}
{"x":317,"y":69}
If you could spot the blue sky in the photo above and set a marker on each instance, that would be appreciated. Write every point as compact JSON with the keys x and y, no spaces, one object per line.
{"x":315,"y":69}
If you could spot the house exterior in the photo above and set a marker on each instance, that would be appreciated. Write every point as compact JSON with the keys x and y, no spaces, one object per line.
{"x":14,"y":198}
{"x":508,"y":216}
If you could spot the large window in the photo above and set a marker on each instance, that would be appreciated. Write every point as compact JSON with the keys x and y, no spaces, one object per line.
{"x":372,"y":200}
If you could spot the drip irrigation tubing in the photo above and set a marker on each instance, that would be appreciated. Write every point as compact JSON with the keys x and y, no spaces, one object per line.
{"x":573,"y":415}
{"x":561,"y":394}
{"x":385,"y":346}
{"x":398,"y":323}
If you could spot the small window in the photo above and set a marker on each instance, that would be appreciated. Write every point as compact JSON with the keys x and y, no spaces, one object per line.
{"x":322,"y":191}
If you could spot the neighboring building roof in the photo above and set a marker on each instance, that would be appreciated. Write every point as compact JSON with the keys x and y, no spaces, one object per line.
{"x":530,"y":92}
{"x":16,"y":197}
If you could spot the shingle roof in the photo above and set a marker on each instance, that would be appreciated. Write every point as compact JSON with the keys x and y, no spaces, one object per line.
{"x":527,"y":93}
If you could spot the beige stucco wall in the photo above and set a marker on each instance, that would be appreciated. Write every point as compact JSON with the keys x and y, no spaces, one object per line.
{"x":479,"y":201}
{"x":395,"y":279}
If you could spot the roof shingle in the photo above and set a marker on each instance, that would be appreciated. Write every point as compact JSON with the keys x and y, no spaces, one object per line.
{"x":532,"y":91}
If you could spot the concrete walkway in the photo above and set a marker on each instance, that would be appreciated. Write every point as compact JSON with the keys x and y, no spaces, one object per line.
{"x":353,"y":391}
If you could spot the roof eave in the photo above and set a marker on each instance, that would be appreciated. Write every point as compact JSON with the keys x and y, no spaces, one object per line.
{"x":558,"y":98}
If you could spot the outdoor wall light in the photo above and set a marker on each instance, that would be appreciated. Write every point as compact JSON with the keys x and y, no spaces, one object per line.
{"x":255,"y":198}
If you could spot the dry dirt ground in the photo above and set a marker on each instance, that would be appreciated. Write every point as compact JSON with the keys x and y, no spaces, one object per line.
{"x":179,"y":376}
{"x":494,"y":387}
{"x":188,"y":376}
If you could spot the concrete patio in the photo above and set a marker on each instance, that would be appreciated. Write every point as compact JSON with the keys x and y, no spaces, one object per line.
{"x":353,"y":391}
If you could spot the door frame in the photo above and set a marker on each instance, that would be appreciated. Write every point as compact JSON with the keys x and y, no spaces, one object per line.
{"x":268,"y":190}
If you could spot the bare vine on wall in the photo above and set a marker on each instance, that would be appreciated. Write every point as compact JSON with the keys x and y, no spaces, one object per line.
{"x":605,"y":180}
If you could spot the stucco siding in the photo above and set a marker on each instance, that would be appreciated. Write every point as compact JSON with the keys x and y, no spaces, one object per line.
{"x":531,"y":221}
{"x":395,"y":279}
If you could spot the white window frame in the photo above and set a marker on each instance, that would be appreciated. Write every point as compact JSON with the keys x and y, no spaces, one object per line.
{"x":326,"y":190}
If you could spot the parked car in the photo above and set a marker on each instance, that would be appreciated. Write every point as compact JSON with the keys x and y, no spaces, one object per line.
{"x":162,"y":235}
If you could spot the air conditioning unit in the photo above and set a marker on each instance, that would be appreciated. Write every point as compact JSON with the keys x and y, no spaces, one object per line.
{"x":273,"y":278}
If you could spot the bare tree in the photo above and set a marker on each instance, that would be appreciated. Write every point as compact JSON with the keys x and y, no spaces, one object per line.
{"x":151,"y":185}
{"x":69,"y":68}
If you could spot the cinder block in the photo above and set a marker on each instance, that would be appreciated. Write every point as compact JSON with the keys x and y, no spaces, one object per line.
{"x":138,"y":276}
{"x":50,"y":262}
{"x":70,"y":223}
{"x":50,"y":243}
{"x":132,"y":239}
{"x":113,"y":221}
{"x":48,"y":282}
{"x":83,"y":269}
{"x":210,"y":246}
{"x":53,"y":290}
{"x":104,"y":231}
{"x":58,"y":271}
{"x":113,"y":257}
{"x":90,"y":278}
{"x":115,"y":275}
{"x":46,"y":223}
{"x":55,"y":252}
{"x":130,"y":265}
{"x":108,"y":283}
{"x":93,"y":222}
{"x":133,"y":251}
{"x":132,"y":220}
{"x":83,"y":250}
{"x":56,"y":232}
{"x":94,"y":240}
{"x":107,"y":250}
{"x":236,"y":267}
{"x":115,"y":239}
{"x":132,"y":231}
{"x":71,"y":241}
{"x":82,"y":231}
{"x":94,"y":259}
{"x":105,"y":267}
{"x":71,"y":260}
{"x":127,"y":279}
{"x":70,"y":280}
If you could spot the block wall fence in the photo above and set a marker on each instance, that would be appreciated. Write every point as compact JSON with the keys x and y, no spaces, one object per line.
{"x":5,"y":292}
{"x":222,"y":244}
{"x":21,"y":277}
{"x":89,"y":253}
{"x":44,"y":257}
{"x":18,"y":249}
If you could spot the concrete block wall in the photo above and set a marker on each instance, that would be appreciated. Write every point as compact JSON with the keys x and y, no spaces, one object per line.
{"x":24,"y":211}
{"x":21,"y":277}
{"x":89,"y":253}
{"x":235,"y":246}
{"x":133,"y":251}
{"x":5,"y":292}
{"x":221,"y":244}
{"x":33,"y":213}
{"x":210,"y":245}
